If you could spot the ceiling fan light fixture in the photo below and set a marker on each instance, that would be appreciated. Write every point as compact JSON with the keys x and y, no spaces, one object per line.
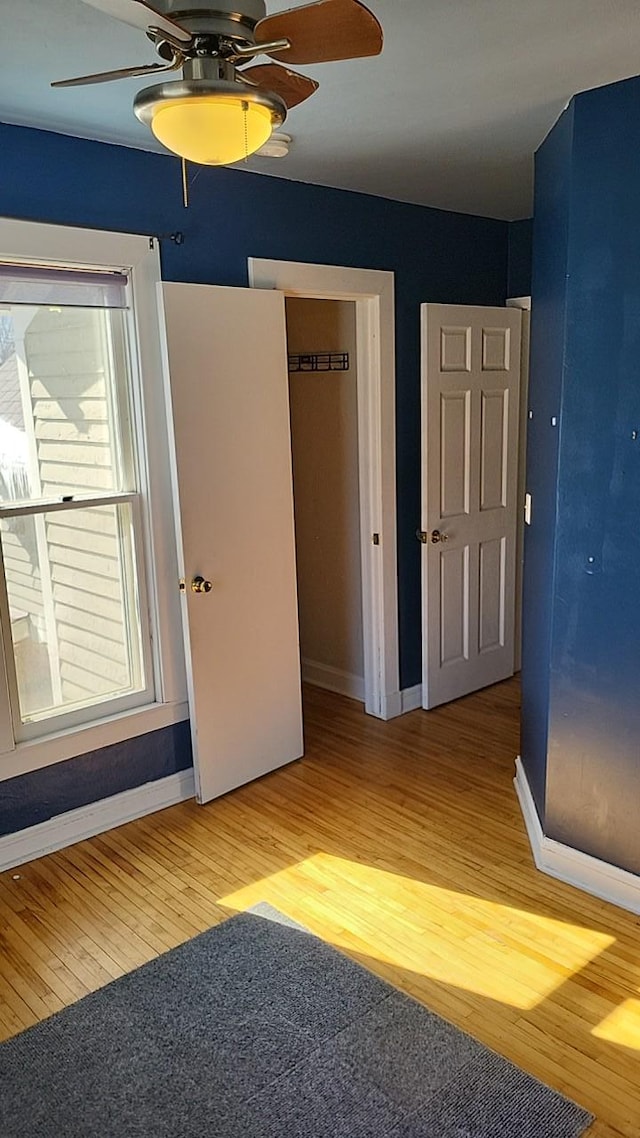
{"x":210,"y":122}
{"x":212,"y":131}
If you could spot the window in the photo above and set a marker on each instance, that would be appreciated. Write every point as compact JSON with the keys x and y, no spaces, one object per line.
{"x":82,"y":637}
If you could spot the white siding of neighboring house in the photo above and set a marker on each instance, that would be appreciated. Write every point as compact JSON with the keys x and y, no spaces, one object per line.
{"x":20,"y":562}
{"x":76,"y":603}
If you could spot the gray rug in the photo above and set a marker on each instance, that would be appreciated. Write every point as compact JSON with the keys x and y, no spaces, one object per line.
{"x":256,"y":1029}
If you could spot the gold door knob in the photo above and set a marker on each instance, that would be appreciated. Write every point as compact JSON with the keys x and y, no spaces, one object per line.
{"x":199,"y":585}
{"x":436,"y":536}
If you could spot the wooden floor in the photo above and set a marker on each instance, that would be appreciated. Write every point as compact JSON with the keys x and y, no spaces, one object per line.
{"x":401,"y":843}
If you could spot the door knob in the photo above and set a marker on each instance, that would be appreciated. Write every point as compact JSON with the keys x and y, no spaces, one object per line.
{"x":436,"y":536}
{"x":199,"y":585}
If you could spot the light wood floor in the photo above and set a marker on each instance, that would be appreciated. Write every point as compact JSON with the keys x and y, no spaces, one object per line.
{"x":401,"y":843}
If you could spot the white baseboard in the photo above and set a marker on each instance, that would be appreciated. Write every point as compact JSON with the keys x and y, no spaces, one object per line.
{"x":391,"y":705}
{"x":411,"y":699}
{"x":399,"y":703}
{"x":95,"y":818}
{"x":332,"y":679}
{"x":570,"y":865}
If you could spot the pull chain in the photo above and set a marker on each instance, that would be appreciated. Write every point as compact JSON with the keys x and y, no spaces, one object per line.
{"x":185,"y":184}
{"x":245,"y":110}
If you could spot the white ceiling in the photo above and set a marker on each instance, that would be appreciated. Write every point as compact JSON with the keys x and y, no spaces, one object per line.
{"x":449,"y":115}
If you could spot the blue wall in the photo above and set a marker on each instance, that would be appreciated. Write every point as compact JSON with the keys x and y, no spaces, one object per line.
{"x":36,"y":797}
{"x":593,"y":656}
{"x":550,"y":251}
{"x":520,"y":258}
{"x":436,"y":256}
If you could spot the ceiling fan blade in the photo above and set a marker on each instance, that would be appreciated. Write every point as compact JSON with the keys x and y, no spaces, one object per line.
{"x":121,"y":73}
{"x":323,"y":32}
{"x":141,"y":15}
{"x":291,"y":87}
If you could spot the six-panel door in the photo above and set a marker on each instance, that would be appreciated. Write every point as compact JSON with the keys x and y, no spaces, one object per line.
{"x":470,"y":401}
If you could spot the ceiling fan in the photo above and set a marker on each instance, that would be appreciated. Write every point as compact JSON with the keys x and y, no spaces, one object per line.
{"x":223,"y":110}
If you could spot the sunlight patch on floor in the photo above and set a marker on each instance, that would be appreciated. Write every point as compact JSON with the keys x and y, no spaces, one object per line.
{"x":622,"y":1026}
{"x":512,"y":955}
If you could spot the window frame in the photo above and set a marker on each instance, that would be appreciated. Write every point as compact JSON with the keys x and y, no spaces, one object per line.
{"x":42,"y":724}
{"x":138,"y":256}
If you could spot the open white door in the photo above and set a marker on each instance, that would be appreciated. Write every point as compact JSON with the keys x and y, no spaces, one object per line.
{"x":470,"y":400}
{"x":230,"y":410}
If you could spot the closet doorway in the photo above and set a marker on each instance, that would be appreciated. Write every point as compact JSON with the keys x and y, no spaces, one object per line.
{"x":371,"y":293}
{"x":321,"y":345}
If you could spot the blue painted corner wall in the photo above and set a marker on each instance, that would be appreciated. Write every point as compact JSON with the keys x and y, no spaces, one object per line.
{"x":520,"y":258}
{"x":435,"y":255}
{"x":586,"y":658}
{"x":550,"y":251}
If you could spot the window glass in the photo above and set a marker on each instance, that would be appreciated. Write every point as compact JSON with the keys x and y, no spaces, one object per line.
{"x":75,"y":632}
{"x":64,"y":418}
{"x":73,"y":607}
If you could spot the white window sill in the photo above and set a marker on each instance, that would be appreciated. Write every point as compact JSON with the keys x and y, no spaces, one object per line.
{"x":55,"y":748}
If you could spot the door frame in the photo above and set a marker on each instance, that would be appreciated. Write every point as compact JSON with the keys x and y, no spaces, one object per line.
{"x":373,"y":294}
{"x":524,"y":304}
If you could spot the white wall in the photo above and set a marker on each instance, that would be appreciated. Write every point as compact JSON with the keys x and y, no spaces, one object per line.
{"x":325,"y":471}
